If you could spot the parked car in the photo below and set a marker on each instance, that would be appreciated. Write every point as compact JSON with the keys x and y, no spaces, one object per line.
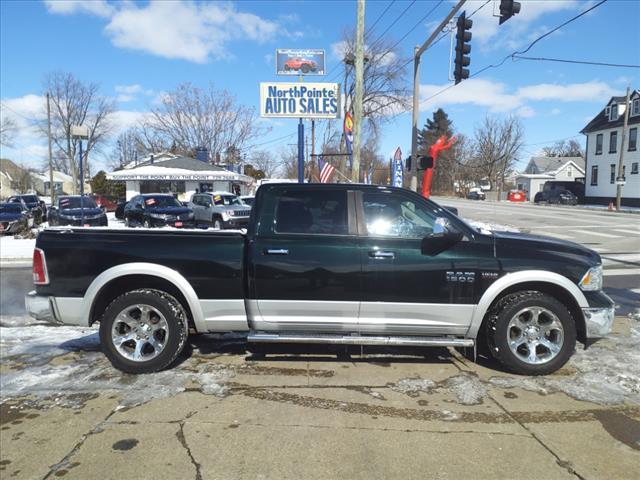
{"x":30,"y":202}
{"x":552,"y":187}
{"x":157,"y":210}
{"x":299,"y":63}
{"x":516,"y":196}
{"x":79,"y":211}
{"x":556,"y":196}
{"x":119,"y":213}
{"x":476,"y":195}
{"x":106,"y":202}
{"x":327,"y":263}
{"x":13,"y":218}
{"x":220,"y":209}
{"x":248,"y":199}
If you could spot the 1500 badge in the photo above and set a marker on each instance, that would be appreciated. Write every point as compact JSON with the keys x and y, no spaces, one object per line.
{"x":461,"y":277}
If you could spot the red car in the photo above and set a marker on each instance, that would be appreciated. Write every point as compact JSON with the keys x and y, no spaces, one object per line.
{"x":106,"y":202}
{"x":299,"y":63}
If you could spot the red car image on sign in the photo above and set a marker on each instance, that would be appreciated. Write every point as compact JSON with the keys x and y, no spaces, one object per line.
{"x":298,"y":63}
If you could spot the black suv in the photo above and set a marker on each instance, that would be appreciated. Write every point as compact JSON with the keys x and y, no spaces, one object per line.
{"x":551,"y":192}
{"x":34,"y":205}
{"x":556,"y":196}
{"x":157,"y":210}
{"x":78,"y":211}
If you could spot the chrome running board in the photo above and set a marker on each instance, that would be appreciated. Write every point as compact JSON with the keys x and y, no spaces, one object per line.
{"x":361,"y":340}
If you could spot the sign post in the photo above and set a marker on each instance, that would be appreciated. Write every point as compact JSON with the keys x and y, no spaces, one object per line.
{"x":81,"y":132}
{"x":301,"y":152}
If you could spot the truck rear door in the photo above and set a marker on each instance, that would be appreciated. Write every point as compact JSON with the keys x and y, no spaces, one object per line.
{"x":304,"y":261}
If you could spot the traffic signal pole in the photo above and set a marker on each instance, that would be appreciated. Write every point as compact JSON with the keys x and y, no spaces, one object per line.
{"x":413,"y":173}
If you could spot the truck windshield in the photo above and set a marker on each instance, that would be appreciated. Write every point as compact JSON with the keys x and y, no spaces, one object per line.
{"x":74,"y":202}
{"x":224,"y":200}
{"x":30,"y":198}
{"x":161,"y":202}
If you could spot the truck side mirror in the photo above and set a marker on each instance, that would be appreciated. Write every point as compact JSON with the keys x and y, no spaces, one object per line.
{"x":444,"y":236}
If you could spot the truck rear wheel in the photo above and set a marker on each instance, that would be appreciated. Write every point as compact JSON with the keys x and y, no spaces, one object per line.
{"x":531,"y":333}
{"x":143,"y":331}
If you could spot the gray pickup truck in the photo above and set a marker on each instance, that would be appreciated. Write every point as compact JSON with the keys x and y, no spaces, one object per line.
{"x":220,"y":209}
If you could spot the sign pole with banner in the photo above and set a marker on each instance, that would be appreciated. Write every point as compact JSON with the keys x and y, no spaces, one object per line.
{"x":301,"y":152}
{"x":396,"y":169}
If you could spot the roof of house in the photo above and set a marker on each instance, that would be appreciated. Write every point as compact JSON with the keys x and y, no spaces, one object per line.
{"x":553,"y":164}
{"x":10,"y":169}
{"x":57,"y":176}
{"x":601,"y":120}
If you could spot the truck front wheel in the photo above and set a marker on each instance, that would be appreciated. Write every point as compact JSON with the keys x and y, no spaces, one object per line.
{"x":531,"y":333}
{"x":143,"y":331}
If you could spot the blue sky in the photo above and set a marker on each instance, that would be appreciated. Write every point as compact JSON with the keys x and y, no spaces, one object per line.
{"x":137,"y":50}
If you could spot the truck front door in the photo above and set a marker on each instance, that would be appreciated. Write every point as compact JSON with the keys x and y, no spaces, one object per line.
{"x":304,"y":261}
{"x":404,"y":290}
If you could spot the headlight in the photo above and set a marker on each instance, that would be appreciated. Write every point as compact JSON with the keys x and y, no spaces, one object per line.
{"x":159,"y":216}
{"x":592,"y":280}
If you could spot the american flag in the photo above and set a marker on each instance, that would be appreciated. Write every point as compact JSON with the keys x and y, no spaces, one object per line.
{"x":325,"y":170}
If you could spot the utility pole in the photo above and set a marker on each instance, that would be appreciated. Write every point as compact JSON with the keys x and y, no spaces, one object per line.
{"x":357,"y":104}
{"x":416,"y":93}
{"x":620,"y":178}
{"x":51,"y":184}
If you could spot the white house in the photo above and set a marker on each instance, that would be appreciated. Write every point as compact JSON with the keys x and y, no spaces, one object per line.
{"x":604,"y":137}
{"x":543,"y":169}
{"x":182,"y":176}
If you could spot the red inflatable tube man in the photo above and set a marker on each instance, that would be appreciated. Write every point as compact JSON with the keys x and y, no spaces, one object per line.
{"x":441,"y":145}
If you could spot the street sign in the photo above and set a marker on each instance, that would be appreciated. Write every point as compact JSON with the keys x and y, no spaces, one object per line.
{"x":80,"y":131}
{"x":295,"y":61}
{"x":299,"y":100}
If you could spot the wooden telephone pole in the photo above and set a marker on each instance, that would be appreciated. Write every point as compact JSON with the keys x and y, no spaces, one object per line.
{"x":357,"y":104}
{"x":620,"y":177}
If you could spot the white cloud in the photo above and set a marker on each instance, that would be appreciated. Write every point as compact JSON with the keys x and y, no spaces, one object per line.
{"x":188,"y":31}
{"x":556,"y":111}
{"x":496,"y":97}
{"x":126,"y":93}
{"x":339,"y":49}
{"x":98,"y":8}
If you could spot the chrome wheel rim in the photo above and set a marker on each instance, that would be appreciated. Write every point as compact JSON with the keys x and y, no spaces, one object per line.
{"x":140,"y":332}
{"x":535,"y":335}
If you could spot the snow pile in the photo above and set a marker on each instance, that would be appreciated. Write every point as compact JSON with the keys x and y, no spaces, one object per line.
{"x":413,"y":386}
{"x":487,"y":228}
{"x":16,"y":249}
{"x":467,"y":388}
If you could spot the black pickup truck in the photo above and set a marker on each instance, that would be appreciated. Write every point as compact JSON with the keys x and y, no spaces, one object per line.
{"x":335,"y":264}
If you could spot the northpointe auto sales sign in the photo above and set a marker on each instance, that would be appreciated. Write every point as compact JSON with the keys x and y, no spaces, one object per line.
{"x":300,"y":100}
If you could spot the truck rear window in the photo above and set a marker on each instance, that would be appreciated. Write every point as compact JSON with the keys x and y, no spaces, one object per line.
{"x":319,"y":212}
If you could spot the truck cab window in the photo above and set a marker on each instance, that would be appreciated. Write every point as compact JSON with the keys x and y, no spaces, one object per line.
{"x":314,"y":212}
{"x":394,"y":215}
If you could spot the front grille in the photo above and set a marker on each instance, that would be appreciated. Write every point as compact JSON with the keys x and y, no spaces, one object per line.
{"x":240,"y":213}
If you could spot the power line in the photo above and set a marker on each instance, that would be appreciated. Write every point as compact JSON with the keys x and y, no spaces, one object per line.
{"x":513,"y":55}
{"x":580,"y":62}
{"x":270,"y":141}
{"x":417,"y":24}
{"x":394,"y":22}
{"x":370,"y":29}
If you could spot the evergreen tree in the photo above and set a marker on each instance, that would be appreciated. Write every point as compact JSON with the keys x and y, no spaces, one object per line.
{"x":446,"y":166}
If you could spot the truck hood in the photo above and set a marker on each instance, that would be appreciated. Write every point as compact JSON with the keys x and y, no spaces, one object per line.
{"x":76,"y":212}
{"x":10,"y":217}
{"x":539,"y":245}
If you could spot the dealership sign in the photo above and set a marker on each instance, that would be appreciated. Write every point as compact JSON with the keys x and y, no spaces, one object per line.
{"x":300,"y":100}
{"x":291,"y":61}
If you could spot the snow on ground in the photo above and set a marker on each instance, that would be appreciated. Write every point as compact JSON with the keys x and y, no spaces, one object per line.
{"x":59,"y":362}
{"x":16,"y":249}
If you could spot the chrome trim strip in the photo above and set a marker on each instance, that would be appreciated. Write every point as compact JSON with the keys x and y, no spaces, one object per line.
{"x":515,"y":278}
{"x":361,"y":340}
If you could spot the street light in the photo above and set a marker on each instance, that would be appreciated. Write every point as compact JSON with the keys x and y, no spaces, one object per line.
{"x":80,"y":132}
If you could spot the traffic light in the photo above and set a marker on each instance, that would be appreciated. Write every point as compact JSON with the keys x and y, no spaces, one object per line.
{"x":463,"y":48}
{"x":508,"y":8}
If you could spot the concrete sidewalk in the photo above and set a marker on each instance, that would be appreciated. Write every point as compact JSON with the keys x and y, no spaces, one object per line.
{"x":314,"y":416}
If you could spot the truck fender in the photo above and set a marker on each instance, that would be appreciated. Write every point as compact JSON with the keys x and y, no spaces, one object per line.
{"x":150,"y":269}
{"x":511,"y":279}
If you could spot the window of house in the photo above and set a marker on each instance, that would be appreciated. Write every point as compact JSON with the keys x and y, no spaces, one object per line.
{"x":569,"y":171}
{"x":635,"y":107}
{"x":599,"y":142}
{"x":614,"y":112}
{"x":594,"y":175}
{"x":634,"y":168}
{"x":613,"y":142}
{"x":612,"y":173}
{"x":633,"y":139}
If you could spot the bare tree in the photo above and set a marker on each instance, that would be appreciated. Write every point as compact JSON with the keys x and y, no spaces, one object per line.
{"x":564,"y":148}
{"x":265,"y":161}
{"x":128,"y":148}
{"x":289,"y":161}
{"x":192,"y":117}
{"x":8,"y":128}
{"x":76,"y":103}
{"x":498,"y":143}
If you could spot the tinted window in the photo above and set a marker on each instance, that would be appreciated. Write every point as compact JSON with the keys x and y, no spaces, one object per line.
{"x":395,"y":215}
{"x":318,"y":212}
{"x":10,"y":208}
{"x":30,"y":198}
{"x":74,"y":202}
{"x":224,"y":200}
{"x":159,"y":201}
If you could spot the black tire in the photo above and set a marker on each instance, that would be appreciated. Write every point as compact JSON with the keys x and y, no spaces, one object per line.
{"x":305,"y":68}
{"x":146,"y":223}
{"x":498,"y":332}
{"x":216,"y":223}
{"x":127,"y":222}
{"x":176,"y":319}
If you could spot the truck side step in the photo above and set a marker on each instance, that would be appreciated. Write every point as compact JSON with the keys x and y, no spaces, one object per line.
{"x":361,"y":340}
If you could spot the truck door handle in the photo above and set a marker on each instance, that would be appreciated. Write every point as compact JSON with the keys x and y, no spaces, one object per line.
{"x":381,"y":254}
{"x":276,"y":251}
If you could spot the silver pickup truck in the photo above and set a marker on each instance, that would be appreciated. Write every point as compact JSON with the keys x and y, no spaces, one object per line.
{"x":220,"y":209}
